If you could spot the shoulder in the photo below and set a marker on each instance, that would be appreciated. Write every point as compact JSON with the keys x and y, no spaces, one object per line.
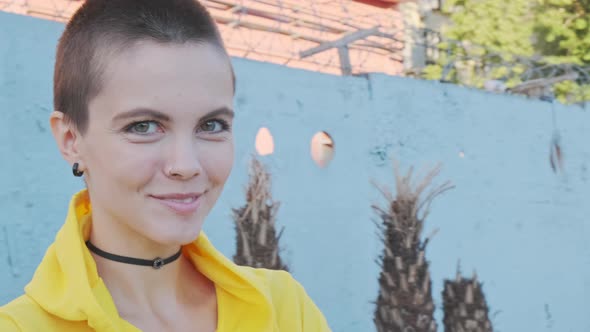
{"x":274,"y":279}
{"x":292,"y":304}
{"x":25,"y":315}
{"x":7,"y":324}
{"x":278,"y":284}
{"x":12,"y":313}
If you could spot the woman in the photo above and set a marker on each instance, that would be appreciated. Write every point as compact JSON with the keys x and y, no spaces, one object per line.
{"x":143,"y":94}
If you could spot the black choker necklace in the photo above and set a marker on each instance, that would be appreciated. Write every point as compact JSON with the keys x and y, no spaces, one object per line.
{"x":156,"y":263}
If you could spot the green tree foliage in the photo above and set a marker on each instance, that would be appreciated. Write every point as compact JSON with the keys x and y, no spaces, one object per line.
{"x":563,"y":30}
{"x":500,"y":39}
{"x":562,"y":34}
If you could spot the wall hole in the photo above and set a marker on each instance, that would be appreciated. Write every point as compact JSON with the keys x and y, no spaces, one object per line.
{"x":322,"y":148}
{"x":264,"y":142}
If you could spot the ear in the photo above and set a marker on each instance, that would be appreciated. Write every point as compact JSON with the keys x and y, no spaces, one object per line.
{"x":67,"y":137}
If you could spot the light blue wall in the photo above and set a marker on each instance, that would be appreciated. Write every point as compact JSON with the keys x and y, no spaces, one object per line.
{"x":522,"y":227}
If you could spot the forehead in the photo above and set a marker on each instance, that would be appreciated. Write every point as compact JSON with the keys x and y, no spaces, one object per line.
{"x":166,"y":76}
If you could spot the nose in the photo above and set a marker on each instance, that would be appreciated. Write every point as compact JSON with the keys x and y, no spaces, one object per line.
{"x":183,"y":160}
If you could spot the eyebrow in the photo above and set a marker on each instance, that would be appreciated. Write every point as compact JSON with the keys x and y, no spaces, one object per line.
{"x":220,"y":111}
{"x":150,"y":113}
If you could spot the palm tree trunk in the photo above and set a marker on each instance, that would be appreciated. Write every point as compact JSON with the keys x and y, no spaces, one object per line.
{"x":405,"y":300}
{"x":465,"y":306}
{"x":257,"y":239}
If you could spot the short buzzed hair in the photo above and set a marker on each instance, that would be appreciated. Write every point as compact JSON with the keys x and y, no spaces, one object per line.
{"x":102,"y":28}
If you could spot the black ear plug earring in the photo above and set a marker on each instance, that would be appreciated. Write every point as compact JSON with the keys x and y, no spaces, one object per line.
{"x":76,"y":171}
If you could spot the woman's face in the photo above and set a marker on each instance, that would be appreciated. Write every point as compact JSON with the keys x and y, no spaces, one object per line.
{"x":159,"y":146}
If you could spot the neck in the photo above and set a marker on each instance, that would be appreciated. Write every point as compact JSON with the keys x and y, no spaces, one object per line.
{"x":134,"y":286}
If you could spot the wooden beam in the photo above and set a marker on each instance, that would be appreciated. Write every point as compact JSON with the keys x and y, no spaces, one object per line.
{"x":345,"y":64}
{"x":276,"y":16}
{"x":261,"y":27}
{"x":344,"y":41}
{"x":542,"y":83}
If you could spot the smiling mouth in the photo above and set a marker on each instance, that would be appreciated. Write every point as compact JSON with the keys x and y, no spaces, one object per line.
{"x":183,"y":200}
{"x":182,"y":204}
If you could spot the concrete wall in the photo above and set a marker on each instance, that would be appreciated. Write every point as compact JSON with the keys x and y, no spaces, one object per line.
{"x":522,"y":227}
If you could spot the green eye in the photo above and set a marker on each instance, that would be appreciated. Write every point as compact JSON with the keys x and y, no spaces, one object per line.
{"x":214,"y":126}
{"x":143,"y":128}
{"x":208,"y":126}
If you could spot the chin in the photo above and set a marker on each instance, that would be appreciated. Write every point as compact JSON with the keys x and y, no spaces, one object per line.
{"x":176,"y":236}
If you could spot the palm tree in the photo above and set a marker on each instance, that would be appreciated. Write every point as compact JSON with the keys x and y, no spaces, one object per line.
{"x":257,"y":239}
{"x":465,"y":306}
{"x":405,"y":300}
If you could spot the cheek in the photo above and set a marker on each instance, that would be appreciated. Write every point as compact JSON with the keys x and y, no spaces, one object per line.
{"x":125,"y":163}
{"x":218,"y":162}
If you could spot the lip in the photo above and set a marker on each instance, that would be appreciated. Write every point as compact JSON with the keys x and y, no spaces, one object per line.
{"x":180,"y":203}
